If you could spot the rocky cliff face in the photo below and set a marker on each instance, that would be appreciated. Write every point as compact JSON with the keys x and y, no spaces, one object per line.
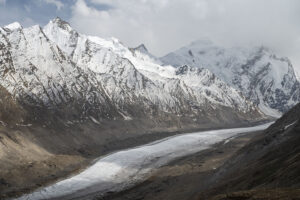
{"x":263,"y":77}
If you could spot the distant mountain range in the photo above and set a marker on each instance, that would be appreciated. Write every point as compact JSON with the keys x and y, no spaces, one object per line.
{"x":79,"y":77}
{"x":263,"y":77}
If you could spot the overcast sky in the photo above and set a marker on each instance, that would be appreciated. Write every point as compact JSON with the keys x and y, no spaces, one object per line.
{"x":165,"y":25}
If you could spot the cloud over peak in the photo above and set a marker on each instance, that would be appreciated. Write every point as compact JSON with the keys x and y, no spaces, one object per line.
{"x":166,"y":25}
{"x":57,"y":3}
{"x":177,"y":22}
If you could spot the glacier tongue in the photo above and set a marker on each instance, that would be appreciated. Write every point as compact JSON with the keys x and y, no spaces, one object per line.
{"x":123,"y":169}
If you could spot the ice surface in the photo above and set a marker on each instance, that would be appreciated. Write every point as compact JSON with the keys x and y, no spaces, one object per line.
{"x":125,"y":168}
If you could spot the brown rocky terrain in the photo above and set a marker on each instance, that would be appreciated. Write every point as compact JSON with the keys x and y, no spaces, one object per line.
{"x":255,"y":166}
{"x":270,"y":161}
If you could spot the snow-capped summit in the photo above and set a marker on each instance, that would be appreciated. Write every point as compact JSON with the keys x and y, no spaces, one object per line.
{"x":61,"y":32}
{"x":141,"y":52}
{"x":142,"y":48}
{"x":62,"y":24}
{"x":263,"y":77}
{"x":13,"y":26}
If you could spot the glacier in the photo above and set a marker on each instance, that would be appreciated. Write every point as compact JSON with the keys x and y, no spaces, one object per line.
{"x":122,"y":169}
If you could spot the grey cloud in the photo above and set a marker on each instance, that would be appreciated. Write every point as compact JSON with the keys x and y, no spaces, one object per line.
{"x":165,"y":25}
{"x":57,"y":3}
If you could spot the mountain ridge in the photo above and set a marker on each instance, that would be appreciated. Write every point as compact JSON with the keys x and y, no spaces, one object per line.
{"x":263,"y":77}
{"x":110,"y":74}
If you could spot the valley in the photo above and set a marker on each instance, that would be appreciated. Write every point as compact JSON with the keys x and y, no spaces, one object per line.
{"x":86,"y":117}
{"x":124,"y":169}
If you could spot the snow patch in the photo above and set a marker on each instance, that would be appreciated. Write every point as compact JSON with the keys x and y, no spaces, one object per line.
{"x":94,"y":120}
{"x":287,"y":126}
{"x":3,"y":123}
{"x":24,"y":125}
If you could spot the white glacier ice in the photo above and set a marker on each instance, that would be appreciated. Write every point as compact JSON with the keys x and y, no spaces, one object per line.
{"x":125,"y":168}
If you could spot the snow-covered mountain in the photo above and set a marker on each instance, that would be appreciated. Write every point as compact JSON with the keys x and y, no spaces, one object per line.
{"x":263,"y":77}
{"x":85,"y":77}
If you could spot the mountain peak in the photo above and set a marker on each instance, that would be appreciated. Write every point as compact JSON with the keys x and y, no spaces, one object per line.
{"x":62,"y":24}
{"x":142,"y":48}
{"x":60,"y":31}
{"x":13,"y":26}
{"x":59,"y":21}
{"x":265,"y":78}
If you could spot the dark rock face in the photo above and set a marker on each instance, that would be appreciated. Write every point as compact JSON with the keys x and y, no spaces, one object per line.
{"x":11,"y":111}
{"x":270,"y":161}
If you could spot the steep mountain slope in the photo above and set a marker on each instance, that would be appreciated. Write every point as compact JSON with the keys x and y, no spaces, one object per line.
{"x":266,"y":79}
{"x":133,"y":75}
{"x":11,"y":112}
{"x":270,"y":162}
{"x":39,"y":75}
